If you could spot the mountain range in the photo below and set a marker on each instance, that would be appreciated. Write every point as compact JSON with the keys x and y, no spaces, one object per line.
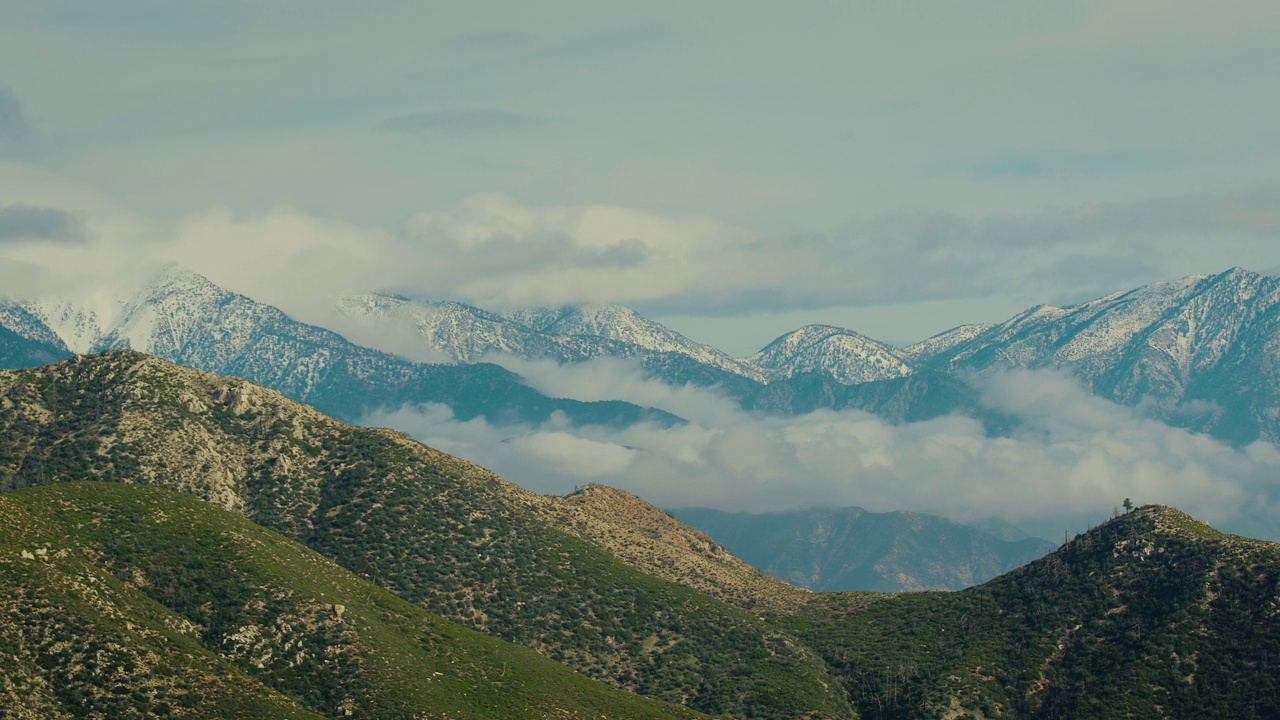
{"x":1196,"y":352}
{"x":135,"y":585}
{"x":185,"y":318}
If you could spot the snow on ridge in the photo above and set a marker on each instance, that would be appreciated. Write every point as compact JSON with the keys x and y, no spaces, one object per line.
{"x":944,"y":341}
{"x":848,"y":356}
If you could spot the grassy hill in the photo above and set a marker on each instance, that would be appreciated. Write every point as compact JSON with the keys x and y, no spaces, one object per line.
{"x":437,"y":531}
{"x":126,"y":601}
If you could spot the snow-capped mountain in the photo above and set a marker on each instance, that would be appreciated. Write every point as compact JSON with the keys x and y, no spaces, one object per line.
{"x":843,"y":354}
{"x":445,"y":331}
{"x":921,"y":352}
{"x":183,"y":317}
{"x":457,"y":332}
{"x":625,"y":325}
{"x":1202,"y":352}
{"x":1209,"y":338}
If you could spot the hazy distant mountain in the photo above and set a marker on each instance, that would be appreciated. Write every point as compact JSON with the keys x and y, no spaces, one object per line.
{"x":183,"y":317}
{"x":1200,"y":352}
{"x":835,"y":549}
{"x":942,"y":342}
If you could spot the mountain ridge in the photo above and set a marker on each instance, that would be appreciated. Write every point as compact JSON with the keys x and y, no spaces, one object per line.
{"x":442,"y":533}
{"x":184,"y":317}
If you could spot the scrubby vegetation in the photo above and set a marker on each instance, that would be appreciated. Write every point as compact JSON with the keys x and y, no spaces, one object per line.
{"x":124,"y":601}
{"x":1150,"y":615}
{"x":435,"y":530}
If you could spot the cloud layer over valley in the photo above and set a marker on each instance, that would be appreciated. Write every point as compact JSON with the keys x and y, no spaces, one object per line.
{"x":497,"y":253}
{"x":1073,"y":459}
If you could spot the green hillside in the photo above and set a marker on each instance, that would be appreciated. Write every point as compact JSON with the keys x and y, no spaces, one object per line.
{"x":124,"y":601}
{"x":435,"y":530}
{"x":1151,"y":615}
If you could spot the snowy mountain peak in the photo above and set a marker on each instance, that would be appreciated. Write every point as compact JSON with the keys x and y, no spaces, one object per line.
{"x":847,"y":356}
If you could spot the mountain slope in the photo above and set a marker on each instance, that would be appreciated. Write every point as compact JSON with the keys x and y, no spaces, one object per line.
{"x":843,"y":354}
{"x":913,"y":398}
{"x":25,"y":341}
{"x":853,"y":549}
{"x":623,"y":325}
{"x":462,"y":333}
{"x":1199,"y":352}
{"x":185,"y":318}
{"x":658,"y":543}
{"x":1213,"y":339}
{"x":922,"y":352}
{"x":436,"y":530}
{"x":125,"y":601}
{"x":1150,"y":615}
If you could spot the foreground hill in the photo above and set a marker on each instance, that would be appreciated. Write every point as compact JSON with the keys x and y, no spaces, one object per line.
{"x":855,"y":549}
{"x":124,"y":601}
{"x":437,"y":531}
{"x":1150,"y":615}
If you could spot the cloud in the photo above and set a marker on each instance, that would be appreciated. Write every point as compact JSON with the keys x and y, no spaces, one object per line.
{"x":28,"y":222}
{"x":497,"y":253}
{"x":1074,"y":459}
{"x":460,"y":123}
{"x":503,"y":253}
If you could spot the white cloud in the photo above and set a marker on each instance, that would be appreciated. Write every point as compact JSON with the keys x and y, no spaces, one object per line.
{"x":495,"y":252}
{"x":1073,"y":460}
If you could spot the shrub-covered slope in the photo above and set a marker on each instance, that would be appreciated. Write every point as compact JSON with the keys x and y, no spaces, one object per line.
{"x":124,"y":601}
{"x":1151,"y":615}
{"x":436,"y":530}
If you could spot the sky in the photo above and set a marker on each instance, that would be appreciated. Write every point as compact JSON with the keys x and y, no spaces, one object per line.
{"x":734,"y":169}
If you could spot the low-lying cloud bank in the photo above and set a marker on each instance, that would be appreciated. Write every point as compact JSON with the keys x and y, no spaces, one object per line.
{"x":1074,"y":458}
{"x":495,"y":252}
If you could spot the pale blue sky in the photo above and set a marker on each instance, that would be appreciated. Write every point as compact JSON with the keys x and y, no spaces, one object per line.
{"x":894,"y":167}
